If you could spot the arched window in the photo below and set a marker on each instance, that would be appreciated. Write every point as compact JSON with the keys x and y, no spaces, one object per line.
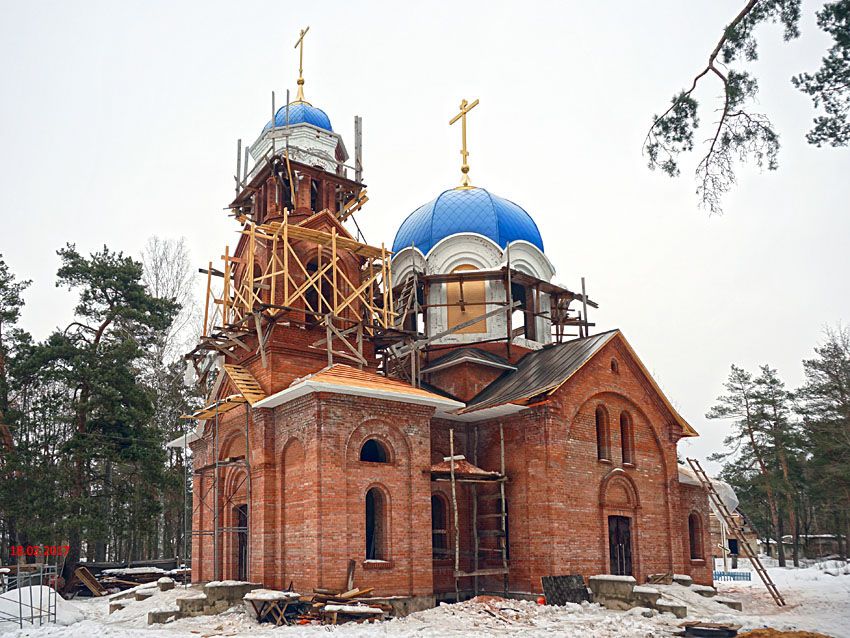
{"x":627,"y":438}
{"x":465,"y":301}
{"x":376,"y":525}
{"x":603,"y":449}
{"x":695,"y":535}
{"x":439,"y":527}
{"x":374,"y":452}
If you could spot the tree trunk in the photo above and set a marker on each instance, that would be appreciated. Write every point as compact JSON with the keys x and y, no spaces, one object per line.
{"x":796,"y":550}
{"x":780,"y":532}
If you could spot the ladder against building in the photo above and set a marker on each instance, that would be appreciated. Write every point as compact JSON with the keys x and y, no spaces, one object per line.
{"x":736,"y":530}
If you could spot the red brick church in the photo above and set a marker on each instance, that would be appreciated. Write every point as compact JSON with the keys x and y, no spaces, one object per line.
{"x":440,"y":412}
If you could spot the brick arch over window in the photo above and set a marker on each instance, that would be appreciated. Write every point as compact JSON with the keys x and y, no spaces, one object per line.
{"x":233,"y":445}
{"x":388,"y":435}
{"x":587,"y":411}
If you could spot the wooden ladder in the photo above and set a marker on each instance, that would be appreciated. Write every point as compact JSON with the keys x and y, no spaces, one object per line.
{"x":736,"y":530}
{"x":405,"y":302}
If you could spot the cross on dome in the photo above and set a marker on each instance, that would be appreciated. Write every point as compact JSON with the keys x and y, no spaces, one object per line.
{"x":465,"y":107}
{"x":300,"y":45}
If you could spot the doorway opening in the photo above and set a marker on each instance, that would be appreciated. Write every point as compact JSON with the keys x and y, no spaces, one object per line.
{"x":242,"y":542}
{"x":620,"y":545}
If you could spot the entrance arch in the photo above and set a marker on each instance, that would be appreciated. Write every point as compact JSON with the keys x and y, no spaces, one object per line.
{"x":619,"y":504}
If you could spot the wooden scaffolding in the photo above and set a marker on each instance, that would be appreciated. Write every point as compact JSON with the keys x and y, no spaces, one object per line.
{"x":486,"y":561}
{"x":272,"y":280}
{"x":405,"y":345}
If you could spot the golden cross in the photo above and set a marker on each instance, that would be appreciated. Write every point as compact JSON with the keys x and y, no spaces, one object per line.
{"x":300,"y":96}
{"x":465,"y":107}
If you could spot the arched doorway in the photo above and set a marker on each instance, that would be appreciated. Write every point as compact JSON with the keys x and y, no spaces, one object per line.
{"x":619,"y":504}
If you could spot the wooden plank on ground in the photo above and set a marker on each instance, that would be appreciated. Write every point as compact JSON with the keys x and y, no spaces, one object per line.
{"x":89,"y":581}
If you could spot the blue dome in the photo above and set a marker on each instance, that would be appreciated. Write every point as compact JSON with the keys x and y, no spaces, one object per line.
{"x":301,"y":112}
{"x":470,"y":210}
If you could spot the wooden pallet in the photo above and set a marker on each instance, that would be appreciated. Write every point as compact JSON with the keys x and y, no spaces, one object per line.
{"x":737,"y":531}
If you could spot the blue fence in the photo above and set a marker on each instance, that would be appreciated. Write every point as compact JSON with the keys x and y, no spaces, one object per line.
{"x":733,"y":575}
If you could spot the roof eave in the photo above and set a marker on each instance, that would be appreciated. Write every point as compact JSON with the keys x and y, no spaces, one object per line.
{"x":309,"y":387}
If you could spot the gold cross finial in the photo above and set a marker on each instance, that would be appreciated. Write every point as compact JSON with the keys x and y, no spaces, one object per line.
{"x":465,"y":107}
{"x":300,"y":44}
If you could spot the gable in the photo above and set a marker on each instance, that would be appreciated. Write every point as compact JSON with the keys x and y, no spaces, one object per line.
{"x":541,"y":373}
{"x":325,"y":221}
{"x":619,"y":344}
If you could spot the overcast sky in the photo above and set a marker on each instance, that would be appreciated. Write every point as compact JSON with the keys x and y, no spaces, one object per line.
{"x":119,"y":121}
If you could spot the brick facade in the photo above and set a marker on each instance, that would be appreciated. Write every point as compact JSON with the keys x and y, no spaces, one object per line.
{"x":308,"y":486}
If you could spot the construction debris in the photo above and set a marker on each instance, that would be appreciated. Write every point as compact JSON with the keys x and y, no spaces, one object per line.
{"x":95,"y":581}
{"x":324,"y":606}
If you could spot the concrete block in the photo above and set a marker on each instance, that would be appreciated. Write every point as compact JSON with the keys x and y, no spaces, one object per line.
{"x":193,"y":604}
{"x":162,"y":615}
{"x":117,"y":605}
{"x":606,"y":586}
{"x":704,"y":590}
{"x":683,"y":579}
{"x":731,"y":603}
{"x":165,"y":584}
{"x":677,"y":609}
{"x":646,"y":596}
{"x":142,"y":595}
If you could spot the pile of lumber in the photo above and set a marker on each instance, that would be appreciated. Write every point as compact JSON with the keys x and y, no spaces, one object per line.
{"x":333,"y":607}
{"x":88,"y":580}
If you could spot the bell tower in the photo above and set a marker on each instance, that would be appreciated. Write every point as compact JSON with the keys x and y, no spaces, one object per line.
{"x":298,"y":291}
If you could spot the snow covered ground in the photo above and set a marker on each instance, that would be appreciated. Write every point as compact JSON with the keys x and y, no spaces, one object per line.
{"x":817,"y":601}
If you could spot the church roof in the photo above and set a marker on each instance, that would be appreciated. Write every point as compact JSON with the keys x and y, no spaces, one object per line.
{"x":543,"y":371}
{"x":468,"y":355}
{"x":344,"y":379}
{"x":301,"y":113}
{"x":466,"y":210}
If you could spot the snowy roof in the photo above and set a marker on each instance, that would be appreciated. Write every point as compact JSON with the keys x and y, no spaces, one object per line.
{"x":343,"y":379}
{"x":723,"y":489}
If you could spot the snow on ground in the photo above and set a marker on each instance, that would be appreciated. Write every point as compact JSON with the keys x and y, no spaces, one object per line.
{"x":33,"y":602}
{"x":816,"y":600}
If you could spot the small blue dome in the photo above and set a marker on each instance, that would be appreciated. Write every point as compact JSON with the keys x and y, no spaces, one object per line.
{"x":301,"y":112}
{"x":466,"y":210}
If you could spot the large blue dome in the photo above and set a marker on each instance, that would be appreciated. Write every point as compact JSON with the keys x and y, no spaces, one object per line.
{"x":466,"y":210}
{"x":301,"y":112}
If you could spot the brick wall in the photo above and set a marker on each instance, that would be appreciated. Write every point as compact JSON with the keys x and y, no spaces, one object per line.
{"x":308,"y":487}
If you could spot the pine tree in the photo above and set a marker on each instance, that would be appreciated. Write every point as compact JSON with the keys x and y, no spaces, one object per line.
{"x":112,"y":452}
{"x":12,"y":340}
{"x":825,"y":406}
{"x":782,"y":443}
{"x":748,"y":442}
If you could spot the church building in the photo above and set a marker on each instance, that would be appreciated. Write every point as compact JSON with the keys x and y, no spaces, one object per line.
{"x":438,"y":416}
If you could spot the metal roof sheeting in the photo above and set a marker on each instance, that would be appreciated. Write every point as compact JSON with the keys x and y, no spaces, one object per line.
{"x":540,"y":371}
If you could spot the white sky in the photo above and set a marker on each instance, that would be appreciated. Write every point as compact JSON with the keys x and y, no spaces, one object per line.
{"x":119,"y":121}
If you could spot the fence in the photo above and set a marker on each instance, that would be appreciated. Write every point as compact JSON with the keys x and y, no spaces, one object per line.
{"x":718,"y":575}
{"x":29,"y":597}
